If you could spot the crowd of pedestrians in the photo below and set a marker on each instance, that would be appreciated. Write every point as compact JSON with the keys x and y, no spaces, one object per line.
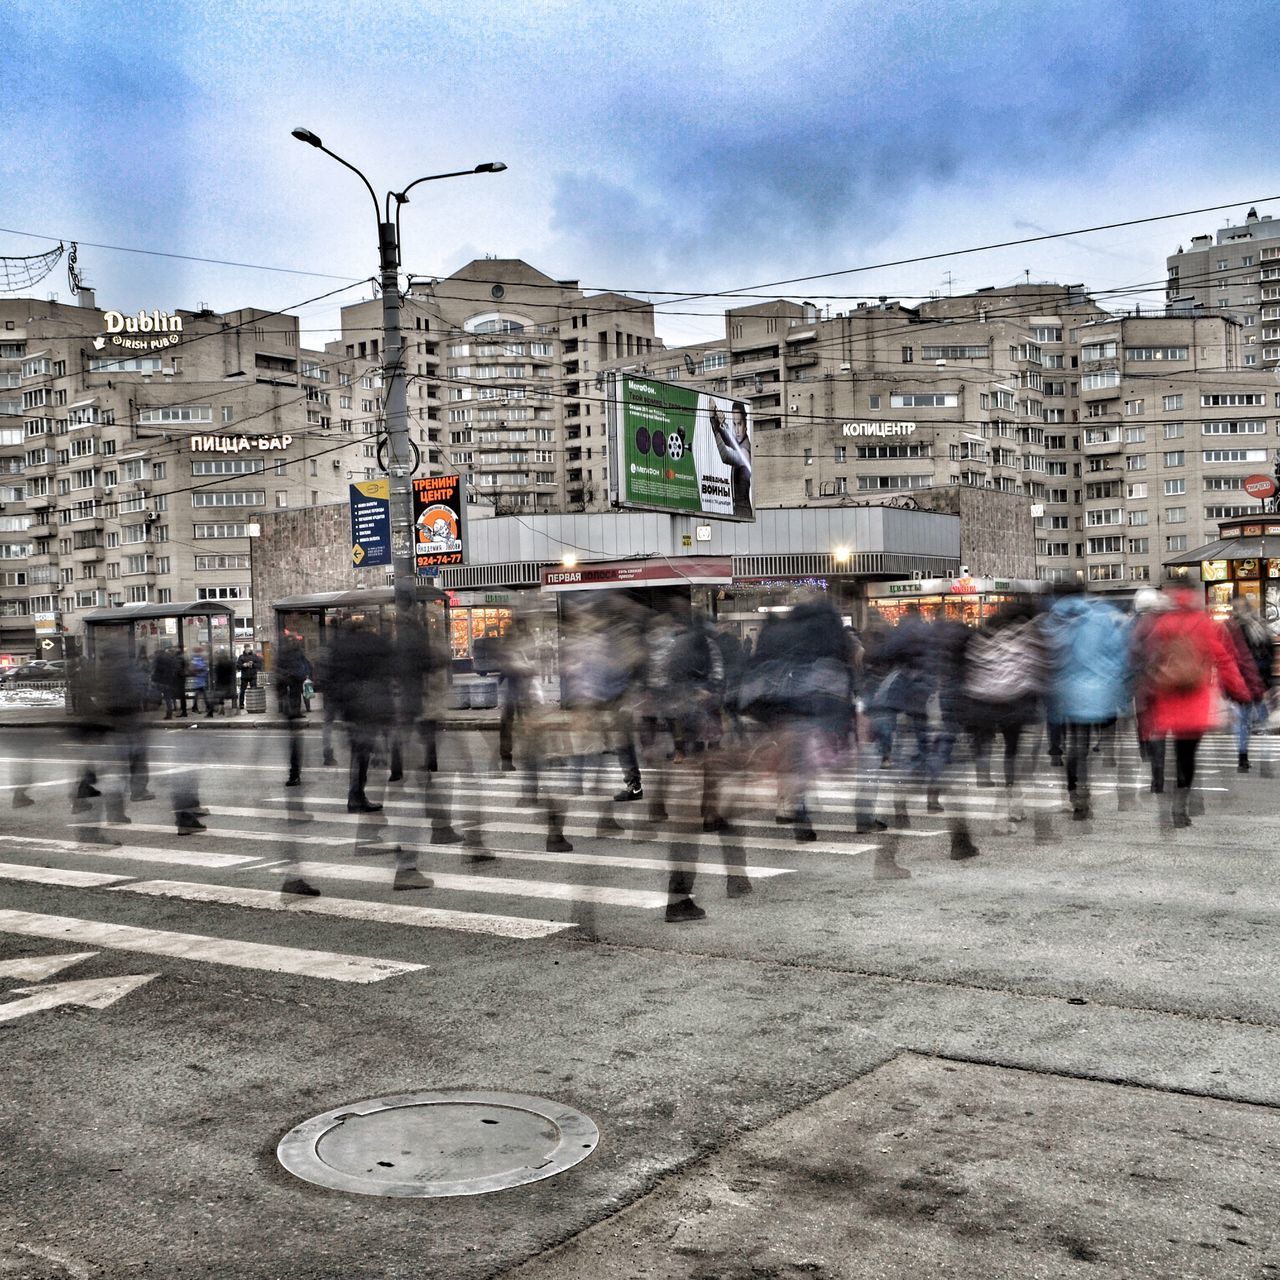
{"x":696,"y":730}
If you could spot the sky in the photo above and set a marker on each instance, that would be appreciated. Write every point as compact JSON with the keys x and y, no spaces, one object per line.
{"x":663,"y":149}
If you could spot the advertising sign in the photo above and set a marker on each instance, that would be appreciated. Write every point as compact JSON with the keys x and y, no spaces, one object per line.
{"x":685,"y":571}
{"x":438,"y":535}
{"x":370,"y":522}
{"x":679,"y":449}
{"x":1259,"y":486}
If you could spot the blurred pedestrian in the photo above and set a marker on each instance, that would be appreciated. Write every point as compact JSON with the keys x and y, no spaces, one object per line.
{"x":1088,"y":643}
{"x":1186,"y":653}
{"x":248,"y":664}
{"x":1254,"y":652}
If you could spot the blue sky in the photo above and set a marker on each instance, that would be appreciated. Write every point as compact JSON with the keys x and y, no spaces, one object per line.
{"x":670,"y":146}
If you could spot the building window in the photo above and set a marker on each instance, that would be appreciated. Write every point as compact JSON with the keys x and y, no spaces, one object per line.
{"x":1175,"y":515}
{"x":1176,"y":542}
{"x":1172,"y":488}
{"x":1171,"y":404}
{"x":1175,"y":457}
{"x":908,"y":355}
{"x":1173,"y":430}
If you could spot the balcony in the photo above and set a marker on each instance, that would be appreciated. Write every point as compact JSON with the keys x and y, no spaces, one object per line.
{"x":1098,"y":442}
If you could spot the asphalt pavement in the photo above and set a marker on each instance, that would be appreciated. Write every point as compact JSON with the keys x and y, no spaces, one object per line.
{"x":1060,"y":1054}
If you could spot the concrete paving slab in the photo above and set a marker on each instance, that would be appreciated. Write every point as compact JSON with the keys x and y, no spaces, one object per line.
{"x":942,"y":1168}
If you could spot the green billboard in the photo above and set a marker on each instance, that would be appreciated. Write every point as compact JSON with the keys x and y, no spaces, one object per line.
{"x":679,"y":449}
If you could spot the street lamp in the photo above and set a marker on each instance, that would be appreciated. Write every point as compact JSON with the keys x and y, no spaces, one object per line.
{"x":395,"y":398}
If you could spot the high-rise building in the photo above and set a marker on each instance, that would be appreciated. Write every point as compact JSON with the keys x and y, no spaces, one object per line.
{"x":136,"y":452}
{"x":502,"y":363}
{"x":1236,"y":273}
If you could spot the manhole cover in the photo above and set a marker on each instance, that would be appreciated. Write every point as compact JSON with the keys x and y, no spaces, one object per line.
{"x":438,"y":1144}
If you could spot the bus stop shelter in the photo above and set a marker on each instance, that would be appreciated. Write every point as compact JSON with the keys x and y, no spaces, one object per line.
{"x":148,"y":628}
{"x":312,"y":617}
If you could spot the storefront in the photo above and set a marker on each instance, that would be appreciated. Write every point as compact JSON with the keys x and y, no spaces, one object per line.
{"x":965,"y":599}
{"x":1244,"y":563}
{"x":479,"y":619}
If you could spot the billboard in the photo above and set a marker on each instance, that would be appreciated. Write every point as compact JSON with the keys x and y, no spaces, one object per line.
{"x":370,"y":502}
{"x":438,"y":513}
{"x":679,"y":449}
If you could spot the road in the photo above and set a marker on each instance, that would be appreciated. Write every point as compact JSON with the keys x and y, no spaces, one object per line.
{"x":192,"y":1015}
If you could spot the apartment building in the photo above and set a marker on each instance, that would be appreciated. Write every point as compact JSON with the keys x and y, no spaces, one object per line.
{"x":135,"y":452}
{"x":1236,"y":273}
{"x":1130,"y":436}
{"x":502,"y":363}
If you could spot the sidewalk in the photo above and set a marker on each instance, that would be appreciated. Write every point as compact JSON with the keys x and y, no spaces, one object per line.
{"x":44,"y":717}
{"x":936,"y":1167}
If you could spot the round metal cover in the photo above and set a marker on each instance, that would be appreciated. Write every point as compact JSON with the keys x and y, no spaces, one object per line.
{"x":438,"y":1144}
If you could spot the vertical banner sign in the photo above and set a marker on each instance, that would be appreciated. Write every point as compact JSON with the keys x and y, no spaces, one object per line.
{"x":370,"y":522}
{"x":437,"y":522}
{"x":679,"y":449}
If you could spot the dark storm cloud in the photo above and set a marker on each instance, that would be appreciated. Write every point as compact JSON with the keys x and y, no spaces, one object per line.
{"x":878,"y":105}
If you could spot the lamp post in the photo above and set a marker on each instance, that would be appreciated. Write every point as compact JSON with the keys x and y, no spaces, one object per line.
{"x":395,"y":393}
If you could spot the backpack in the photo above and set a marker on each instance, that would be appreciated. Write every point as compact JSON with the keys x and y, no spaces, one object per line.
{"x":1001,"y":666}
{"x":1178,"y":665}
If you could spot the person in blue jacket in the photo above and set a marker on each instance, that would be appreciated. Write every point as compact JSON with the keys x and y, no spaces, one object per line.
{"x":1090,"y":677}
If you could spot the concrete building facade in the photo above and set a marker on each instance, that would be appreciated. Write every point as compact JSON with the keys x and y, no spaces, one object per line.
{"x":1235,"y":273}
{"x":138,"y":453}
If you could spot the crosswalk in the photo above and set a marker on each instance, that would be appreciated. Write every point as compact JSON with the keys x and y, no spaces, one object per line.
{"x":498,"y":882}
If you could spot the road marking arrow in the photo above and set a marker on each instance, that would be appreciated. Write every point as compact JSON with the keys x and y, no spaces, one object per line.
{"x":37,"y":968}
{"x":91,"y":993}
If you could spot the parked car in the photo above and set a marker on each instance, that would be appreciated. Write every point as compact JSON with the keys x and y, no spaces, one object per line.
{"x":31,"y":673}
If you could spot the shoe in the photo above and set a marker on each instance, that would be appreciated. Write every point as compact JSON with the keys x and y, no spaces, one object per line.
{"x":300,"y":887}
{"x":87,"y":790}
{"x":934,"y":805}
{"x":805,"y":834}
{"x":1081,"y":812}
{"x":142,"y":795}
{"x":657,"y":812}
{"x":21,"y":800}
{"x":717,"y":823}
{"x":410,"y":878}
{"x":558,"y":844}
{"x":445,"y":835}
{"x":1055,"y":759}
{"x":873,"y":824}
{"x":481,"y":855}
{"x":363,"y":806}
{"x":962,"y":846}
{"x":293,"y":781}
{"x":608,"y":826}
{"x":395,"y":777}
{"x":889,"y":871}
{"x":329,"y":758}
{"x":986,"y":780}
{"x":120,"y":817}
{"x":784,"y":817}
{"x":507,"y":767}
{"x":738,"y":887}
{"x":188,"y":822}
{"x":631,"y":792}
{"x":685,"y":909}
{"x":1242,"y":765}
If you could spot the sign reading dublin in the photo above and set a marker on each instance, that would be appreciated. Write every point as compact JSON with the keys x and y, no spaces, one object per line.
{"x":679,"y":449}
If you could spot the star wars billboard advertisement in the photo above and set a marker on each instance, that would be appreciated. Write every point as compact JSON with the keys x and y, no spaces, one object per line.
{"x":438,"y":532}
{"x":679,"y":449}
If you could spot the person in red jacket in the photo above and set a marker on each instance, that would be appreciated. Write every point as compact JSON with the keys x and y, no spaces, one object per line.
{"x":1186,"y":652}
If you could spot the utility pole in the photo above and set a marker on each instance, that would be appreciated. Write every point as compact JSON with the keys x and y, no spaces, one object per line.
{"x":395,"y":397}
